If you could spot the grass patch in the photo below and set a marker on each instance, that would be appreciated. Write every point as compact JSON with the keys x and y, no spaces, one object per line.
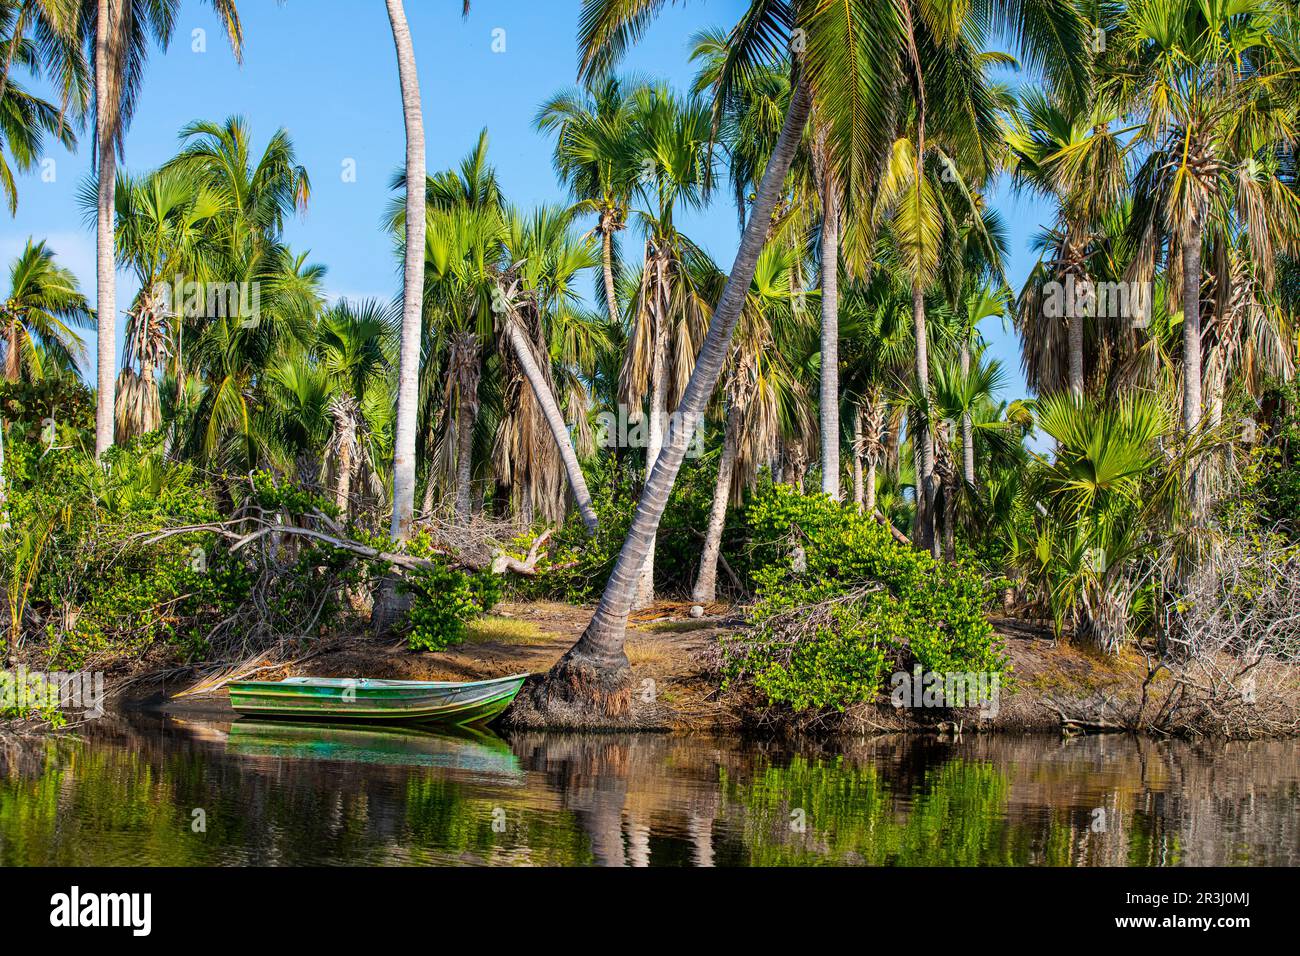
{"x":678,"y":627}
{"x":501,"y":630}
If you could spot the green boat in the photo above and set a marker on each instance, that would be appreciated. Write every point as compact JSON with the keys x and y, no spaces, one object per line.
{"x":365,"y":699}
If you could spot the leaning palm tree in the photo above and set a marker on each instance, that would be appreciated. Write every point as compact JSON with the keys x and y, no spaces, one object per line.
{"x":39,"y":315}
{"x":847,"y":58}
{"x":543,"y":333}
{"x":117,"y":35}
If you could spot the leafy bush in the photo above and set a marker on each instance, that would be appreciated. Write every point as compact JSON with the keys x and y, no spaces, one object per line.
{"x":840,"y":605}
{"x":444,"y":600}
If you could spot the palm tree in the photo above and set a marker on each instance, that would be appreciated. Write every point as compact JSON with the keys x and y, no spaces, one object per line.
{"x":162,"y":229}
{"x":847,"y":57}
{"x":668,"y":315}
{"x":1213,"y":83}
{"x":354,"y":347}
{"x":547,"y":338}
{"x":596,"y":157}
{"x":55,"y":51}
{"x":39,"y":315}
{"x":117,"y":35}
{"x":1075,"y":154}
{"x":408,"y":376}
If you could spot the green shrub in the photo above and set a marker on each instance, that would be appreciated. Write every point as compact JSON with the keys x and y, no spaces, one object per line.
{"x":443,"y":602}
{"x":840,"y":605}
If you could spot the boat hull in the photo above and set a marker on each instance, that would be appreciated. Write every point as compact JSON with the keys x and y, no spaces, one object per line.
{"x":442,"y":702}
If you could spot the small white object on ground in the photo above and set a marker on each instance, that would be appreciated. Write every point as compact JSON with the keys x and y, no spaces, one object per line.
{"x":697,"y":611}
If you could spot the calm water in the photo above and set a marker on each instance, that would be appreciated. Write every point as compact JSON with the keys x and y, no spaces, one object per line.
{"x":283,"y":794}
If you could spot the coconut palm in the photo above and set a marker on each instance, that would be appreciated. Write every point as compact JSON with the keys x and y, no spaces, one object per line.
{"x":596,"y":157}
{"x":117,"y":36}
{"x":164,"y":224}
{"x":39,"y":316}
{"x":668,"y":313}
{"x":52,"y":51}
{"x":355,"y":345}
{"x":412,"y":277}
{"x":847,"y":58}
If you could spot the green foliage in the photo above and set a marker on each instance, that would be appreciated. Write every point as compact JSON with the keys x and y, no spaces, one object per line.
{"x":841,"y":605}
{"x":443,"y":602}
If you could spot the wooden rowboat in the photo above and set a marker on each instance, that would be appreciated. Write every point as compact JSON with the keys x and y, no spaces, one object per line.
{"x":364,"y":699}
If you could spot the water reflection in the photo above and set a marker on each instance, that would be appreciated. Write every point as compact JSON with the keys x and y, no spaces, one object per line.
{"x":307,"y":793}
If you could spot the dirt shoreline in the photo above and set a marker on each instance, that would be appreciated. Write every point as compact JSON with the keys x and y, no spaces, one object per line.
{"x":1050,"y":683}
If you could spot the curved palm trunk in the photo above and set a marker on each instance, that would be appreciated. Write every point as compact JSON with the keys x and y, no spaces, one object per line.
{"x":412,"y":278}
{"x":105,"y":264}
{"x":593,"y":675}
{"x":559,"y":430}
{"x":830,"y":359}
{"x":967,"y":427}
{"x":706,"y":581}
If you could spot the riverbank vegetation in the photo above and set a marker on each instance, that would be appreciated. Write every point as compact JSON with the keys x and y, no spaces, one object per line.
{"x":575,"y":402}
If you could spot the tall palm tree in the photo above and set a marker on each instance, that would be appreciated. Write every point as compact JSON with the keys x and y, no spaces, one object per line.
{"x":847,"y":58}
{"x":117,"y":36}
{"x":39,"y":315}
{"x":668,"y":315}
{"x":1213,"y":84}
{"x":408,"y":376}
{"x":1075,"y":154}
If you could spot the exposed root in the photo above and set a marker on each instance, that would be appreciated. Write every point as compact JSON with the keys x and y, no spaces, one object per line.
{"x":581,"y":694}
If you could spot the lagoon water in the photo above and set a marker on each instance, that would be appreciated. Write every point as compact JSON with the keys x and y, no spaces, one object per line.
{"x":146,"y":789}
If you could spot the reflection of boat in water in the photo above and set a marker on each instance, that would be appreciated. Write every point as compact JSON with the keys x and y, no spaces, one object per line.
{"x":460,"y":748}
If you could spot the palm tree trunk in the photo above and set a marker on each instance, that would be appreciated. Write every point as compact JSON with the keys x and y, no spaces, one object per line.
{"x":706,"y":582}
{"x":869,"y":492}
{"x":607,"y":265}
{"x":967,"y":426}
{"x":1191,"y":324}
{"x":593,"y":675}
{"x":921,"y":437}
{"x":105,"y":265}
{"x":559,"y":431}
{"x":1074,"y":334}
{"x":466,"y":419}
{"x":645,"y":592}
{"x":408,"y":377}
{"x":857,"y":458}
{"x":830,"y":361}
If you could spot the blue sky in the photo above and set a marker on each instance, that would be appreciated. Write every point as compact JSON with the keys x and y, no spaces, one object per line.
{"x":325,"y":70}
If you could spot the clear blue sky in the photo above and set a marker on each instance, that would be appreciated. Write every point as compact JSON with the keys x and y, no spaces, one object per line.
{"x":325,"y":70}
